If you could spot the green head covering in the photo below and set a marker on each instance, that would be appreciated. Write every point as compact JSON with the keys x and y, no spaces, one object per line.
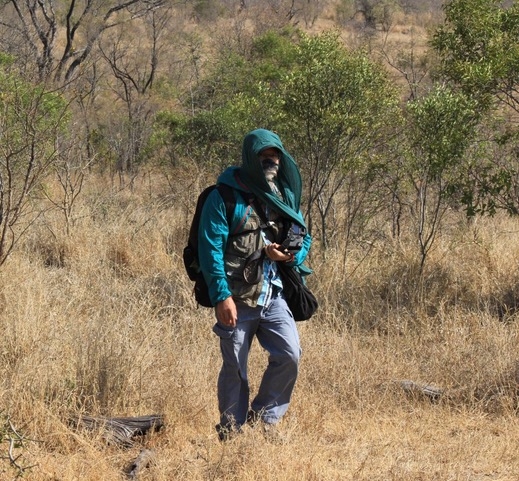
{"x":288,"y":178}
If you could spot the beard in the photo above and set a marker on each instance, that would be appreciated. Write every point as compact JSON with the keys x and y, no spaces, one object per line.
{"x":270,"y":173}
{"x":270,"y":169}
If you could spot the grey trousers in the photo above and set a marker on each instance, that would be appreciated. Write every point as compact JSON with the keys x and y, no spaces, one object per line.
{"x":276,"y":331}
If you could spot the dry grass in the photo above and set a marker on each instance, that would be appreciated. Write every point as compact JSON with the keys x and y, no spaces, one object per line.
{"x":102,"y":323}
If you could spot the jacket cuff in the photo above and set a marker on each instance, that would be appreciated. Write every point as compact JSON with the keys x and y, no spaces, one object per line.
{"x":219,"y":291}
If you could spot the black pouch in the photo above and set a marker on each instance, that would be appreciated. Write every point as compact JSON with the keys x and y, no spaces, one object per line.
{"x":301,"y":301}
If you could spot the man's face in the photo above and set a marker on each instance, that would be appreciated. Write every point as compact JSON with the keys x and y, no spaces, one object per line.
{"x":269,"y":159}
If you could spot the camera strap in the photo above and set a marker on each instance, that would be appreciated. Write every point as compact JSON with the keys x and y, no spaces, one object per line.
{"x":258,"y":207}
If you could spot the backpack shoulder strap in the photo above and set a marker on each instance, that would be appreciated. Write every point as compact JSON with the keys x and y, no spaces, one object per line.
{"x":229,"y":194}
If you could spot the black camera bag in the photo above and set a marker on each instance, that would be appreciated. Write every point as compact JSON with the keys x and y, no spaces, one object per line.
{"x":300,"y":300}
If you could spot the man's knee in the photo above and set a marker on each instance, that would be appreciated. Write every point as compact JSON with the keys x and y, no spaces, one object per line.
{"x":289,"y":358}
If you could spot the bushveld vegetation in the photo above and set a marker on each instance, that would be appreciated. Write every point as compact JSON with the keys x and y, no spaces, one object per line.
{"x":403,"y":118}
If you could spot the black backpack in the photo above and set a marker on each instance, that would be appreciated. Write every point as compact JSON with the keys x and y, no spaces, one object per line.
{"x":190,"y":254}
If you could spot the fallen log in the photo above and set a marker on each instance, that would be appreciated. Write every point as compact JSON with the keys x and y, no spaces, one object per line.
{"x":121,"y":430}
{"x":428,"y":391}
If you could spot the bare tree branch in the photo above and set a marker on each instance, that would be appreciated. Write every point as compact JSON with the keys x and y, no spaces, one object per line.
{"x":39,"y":24}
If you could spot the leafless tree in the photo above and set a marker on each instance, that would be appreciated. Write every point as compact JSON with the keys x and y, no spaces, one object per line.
{"x":410,"y":65}
{"x":31,"y":121}
{"x":59,"y":36}
{"x":134,"y":59}
{"x":70,"y":168}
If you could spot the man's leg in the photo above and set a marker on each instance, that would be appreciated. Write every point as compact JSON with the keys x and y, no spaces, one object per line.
{"x":233,"y":383}
{"x":277,"y":333}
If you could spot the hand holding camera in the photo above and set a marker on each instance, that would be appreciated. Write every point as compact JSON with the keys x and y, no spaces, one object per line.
{"x":284,"y":252}
{"x":275,"y":252}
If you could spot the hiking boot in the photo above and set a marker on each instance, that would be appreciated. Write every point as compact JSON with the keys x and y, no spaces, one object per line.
{"x":272,"y":433}
{"x":253,"y":418}
{"x":226,"y":433}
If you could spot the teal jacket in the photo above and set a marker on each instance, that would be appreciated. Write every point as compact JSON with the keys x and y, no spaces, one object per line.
{"x":214,"y":231}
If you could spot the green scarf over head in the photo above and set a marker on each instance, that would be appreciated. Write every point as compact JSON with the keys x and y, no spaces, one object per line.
{"x":288,"y":178}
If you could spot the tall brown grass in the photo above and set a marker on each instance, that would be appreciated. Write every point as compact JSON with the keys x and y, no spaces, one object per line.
{"x":102,"y":322}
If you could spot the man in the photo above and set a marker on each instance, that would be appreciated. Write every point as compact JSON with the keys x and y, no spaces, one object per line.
{"x":239,"y":263}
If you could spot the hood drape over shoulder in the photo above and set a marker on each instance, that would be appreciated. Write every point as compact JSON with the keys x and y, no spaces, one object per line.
{"x":288,"y":178}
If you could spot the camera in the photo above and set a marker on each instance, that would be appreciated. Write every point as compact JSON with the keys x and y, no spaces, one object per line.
{"x":294,"y":240}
